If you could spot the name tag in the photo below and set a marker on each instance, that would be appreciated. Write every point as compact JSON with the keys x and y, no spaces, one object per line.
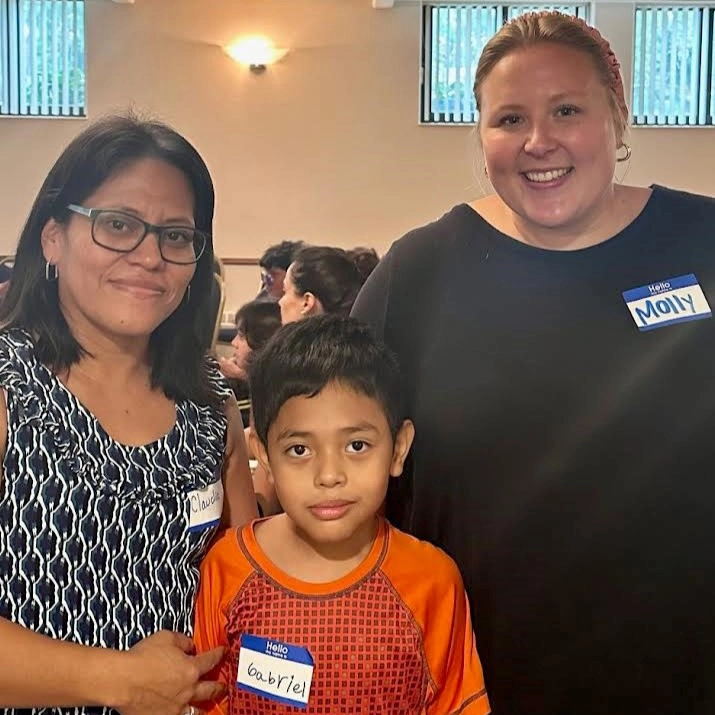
{"x":277,"y":671}
{"x":205,"y":506}
{"x":676,"y":300}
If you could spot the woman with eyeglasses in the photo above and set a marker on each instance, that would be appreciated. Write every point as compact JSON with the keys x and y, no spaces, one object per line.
{"x":122,"y":448}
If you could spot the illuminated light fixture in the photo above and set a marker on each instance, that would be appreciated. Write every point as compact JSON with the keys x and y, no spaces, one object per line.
{"x":255,"y":52}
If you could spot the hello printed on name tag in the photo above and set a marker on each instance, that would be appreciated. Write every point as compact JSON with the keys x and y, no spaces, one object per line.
{"x":277,"y":671}
{"x":675,"y":300}
{"x":205,"y":506}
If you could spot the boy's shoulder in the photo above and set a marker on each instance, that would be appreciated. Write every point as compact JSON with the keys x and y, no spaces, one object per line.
{"x":226,"y":555}
{"x":411,"y":558}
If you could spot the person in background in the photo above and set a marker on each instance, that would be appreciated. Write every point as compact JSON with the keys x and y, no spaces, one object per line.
{"x":256,"y":322}
{"x":383,"y":617}
{"x":366,"y":260}
{"x":321,"y":279}
{"x":274,"y":264}
{"x":122,"y":448}
{"x":5,"y":276}
{"x":557,"y":341}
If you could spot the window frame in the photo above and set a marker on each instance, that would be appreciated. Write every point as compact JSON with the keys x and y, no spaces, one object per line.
{"x":17,"y":66}
{"x":705,"y":53}
{"x":504,"y":8}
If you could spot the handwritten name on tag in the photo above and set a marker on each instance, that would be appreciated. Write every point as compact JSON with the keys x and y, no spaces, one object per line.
{"x":675,"y":300}
{"x":277,"y":671}
{"x":205,"y":506}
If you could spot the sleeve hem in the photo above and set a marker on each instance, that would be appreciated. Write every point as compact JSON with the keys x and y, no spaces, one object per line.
{"x":477,"y":704}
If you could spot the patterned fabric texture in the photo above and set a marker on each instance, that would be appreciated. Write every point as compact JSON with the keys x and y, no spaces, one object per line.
{"x":368,"y":626}
{"x":94,"y":546}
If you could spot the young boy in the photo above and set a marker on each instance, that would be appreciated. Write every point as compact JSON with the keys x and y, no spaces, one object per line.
{"x":327,"y":607}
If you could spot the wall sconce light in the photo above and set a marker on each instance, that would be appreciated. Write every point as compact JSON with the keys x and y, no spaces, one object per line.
{"x":255,"y":52}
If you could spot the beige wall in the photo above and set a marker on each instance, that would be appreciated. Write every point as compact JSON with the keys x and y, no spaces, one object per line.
{"x":324,"y":146}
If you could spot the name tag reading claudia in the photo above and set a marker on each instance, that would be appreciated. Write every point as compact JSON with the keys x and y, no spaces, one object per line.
{"x":205,"y":506}
{"x":676,"y":300}
{"x":277,"y":671}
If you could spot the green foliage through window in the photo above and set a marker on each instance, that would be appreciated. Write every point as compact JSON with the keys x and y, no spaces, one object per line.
{"x":453,"y":37}
{"x":673,"y":79}
{"x":42,"y":58}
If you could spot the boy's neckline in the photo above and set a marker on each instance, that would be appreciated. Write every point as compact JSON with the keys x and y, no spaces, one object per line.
{"x":250,"y":546}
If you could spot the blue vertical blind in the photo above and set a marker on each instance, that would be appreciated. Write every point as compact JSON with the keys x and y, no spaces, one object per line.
{"x":452,"y":40}
{"x":42,"y":58}
{"x":673,"y":79}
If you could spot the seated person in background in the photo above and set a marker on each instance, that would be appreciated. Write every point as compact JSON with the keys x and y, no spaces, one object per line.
{"x":5,"y":276}
{"x":327,"y":606}
{"x":274,"y":264}
{"x":256,"y":322}
{"x":321,"y":279}
{"x":366,"y":260}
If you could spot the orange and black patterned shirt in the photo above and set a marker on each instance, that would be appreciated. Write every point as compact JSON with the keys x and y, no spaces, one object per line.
{"x":393,"y":637}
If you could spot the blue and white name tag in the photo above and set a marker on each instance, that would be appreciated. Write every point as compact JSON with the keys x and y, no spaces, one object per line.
{"x":205,"y":506}
{"x":675,"y":300}
{"x":277,"y":671}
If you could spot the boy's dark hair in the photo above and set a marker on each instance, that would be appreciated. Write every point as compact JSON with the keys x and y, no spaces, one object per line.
{"x":104,"y":148}
{"x":303,"y":357}
{"x":330,"y":274}
{"x":280,"y":256}
{"x":258,"y":320}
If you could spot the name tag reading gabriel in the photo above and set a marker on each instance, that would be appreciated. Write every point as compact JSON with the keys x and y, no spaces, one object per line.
{"x":277,"y":671}
{"x":205,"y":506}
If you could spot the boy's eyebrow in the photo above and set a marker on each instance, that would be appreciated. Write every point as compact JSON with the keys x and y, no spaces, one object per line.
{"x":299,"y":434}
{"x":360,"y":427}
{"x":292,"y":434}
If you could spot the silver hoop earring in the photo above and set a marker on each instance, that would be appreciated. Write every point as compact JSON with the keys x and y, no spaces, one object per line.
{"x":187,"y":295}
{"x":51,"y":272}
{"x":627,"y":155}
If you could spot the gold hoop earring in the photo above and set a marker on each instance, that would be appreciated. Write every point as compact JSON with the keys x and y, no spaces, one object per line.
{"x":627,"y":155}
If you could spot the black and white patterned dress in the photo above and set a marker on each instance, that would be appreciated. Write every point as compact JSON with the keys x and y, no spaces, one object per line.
{"x":94,"y":539}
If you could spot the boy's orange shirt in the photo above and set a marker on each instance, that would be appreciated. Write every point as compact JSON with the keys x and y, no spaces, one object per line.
{"x":393,"y":637}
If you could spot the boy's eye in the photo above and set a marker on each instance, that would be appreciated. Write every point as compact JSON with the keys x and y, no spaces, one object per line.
{"x":357,"y":445}
{"x":297,"y":450}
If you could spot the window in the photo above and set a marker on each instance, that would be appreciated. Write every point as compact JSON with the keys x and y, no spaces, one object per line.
{"x":673,"y":80}
{"x":42,"y":70}
{"x":452,"y":40}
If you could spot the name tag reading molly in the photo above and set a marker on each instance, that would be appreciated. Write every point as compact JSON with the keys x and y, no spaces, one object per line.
{"x":205,"y":506}
{"x":675,"y":300}
{"x":277,"y":671}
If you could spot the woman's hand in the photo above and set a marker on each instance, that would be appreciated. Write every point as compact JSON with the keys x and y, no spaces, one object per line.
{"x":231,"y":369}
{"x":161,"y":676}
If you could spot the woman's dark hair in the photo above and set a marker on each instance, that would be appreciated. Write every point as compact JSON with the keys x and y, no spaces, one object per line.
{"x":99,"y":152}
{"x":258,"y":320}
{"x":366,"y":260}
{"x":305,"y":356}
{"x":329,"y":274}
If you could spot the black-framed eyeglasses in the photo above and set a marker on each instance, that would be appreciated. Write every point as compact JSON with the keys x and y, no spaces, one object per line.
{"x":123,"y":232}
